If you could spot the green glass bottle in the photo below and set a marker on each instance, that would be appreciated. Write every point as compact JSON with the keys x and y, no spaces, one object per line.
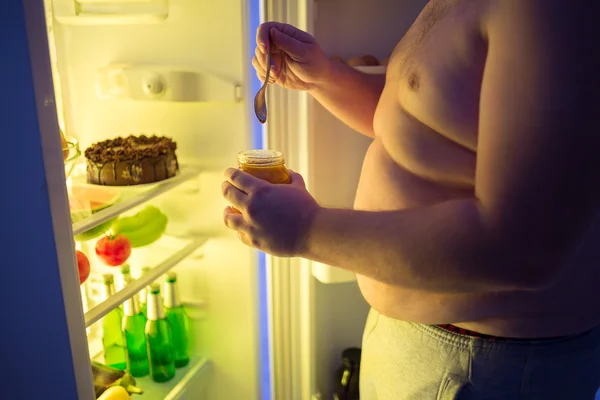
{"x":113,"y":340}
{"x":175,"y":314}
{"x":159,"y":339}
{"x":144,"y":294}
{"x":134,"y":325}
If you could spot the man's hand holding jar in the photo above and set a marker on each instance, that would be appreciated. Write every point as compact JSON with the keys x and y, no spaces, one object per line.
{"x":270,"y":207}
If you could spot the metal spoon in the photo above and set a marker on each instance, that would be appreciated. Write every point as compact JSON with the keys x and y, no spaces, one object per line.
{"x":260,"y":102}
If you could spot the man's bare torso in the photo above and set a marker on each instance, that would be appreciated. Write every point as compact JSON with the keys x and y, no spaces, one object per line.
{"x":424,"y":153}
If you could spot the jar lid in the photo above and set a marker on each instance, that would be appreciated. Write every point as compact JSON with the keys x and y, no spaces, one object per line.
{"x":260,"y":157}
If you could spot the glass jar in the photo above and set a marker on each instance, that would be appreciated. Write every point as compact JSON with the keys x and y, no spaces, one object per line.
{"x":268,"y":165}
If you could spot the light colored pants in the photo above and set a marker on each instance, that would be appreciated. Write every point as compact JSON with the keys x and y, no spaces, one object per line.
{"x":403,"y":360}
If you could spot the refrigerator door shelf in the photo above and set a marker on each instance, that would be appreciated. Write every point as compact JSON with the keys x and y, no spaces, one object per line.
{"x":103,"y":308}
{"x":328,"y":274}
{"x":164,"y":83}
{"x":132,"y":196}
{"x":110,"y":12}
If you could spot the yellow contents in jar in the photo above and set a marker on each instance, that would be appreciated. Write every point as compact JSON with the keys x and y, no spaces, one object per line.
{"x":268,"y":165}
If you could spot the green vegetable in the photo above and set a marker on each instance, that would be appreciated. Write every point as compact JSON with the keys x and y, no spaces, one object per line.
{"x":143,"y":228}
{"x":149,"y":233}
{"x":135,"y":222}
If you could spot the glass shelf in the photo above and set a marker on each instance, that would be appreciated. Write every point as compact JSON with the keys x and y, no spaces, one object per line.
{"x":193,"y":377}
{"x":129,"y":197}
{"x":103,"y":308}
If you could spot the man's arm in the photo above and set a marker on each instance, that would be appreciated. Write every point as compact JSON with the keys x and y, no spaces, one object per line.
{"x":537,"y":177}
{"x":350,"y":95}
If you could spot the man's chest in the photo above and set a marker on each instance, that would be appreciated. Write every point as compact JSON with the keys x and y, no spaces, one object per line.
{"x":435,"y":73}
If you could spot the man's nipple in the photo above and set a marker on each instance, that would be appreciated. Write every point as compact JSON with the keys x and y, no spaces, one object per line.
{"x":414,"y":81}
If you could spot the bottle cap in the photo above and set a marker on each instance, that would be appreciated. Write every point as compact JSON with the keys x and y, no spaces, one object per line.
{"x":154,"y":288}
{"x":108,"y":279}
{"x":171,"y":276}
{"x":109,"y":285}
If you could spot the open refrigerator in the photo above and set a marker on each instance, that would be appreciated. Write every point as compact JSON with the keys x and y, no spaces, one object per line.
{"x":261,"y":327}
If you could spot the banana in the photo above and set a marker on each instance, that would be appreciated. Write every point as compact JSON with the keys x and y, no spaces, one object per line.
{"x":106,"y":377}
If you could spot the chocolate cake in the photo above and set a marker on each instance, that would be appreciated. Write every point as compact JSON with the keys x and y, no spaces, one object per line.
{"x":134,"y":160}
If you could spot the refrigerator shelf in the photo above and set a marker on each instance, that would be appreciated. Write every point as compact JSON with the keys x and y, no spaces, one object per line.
{"x":193,"y":377}
{"x":133,"y":196}
{"x":101,"y":309}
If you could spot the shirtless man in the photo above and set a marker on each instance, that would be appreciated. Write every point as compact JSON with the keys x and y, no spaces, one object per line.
{"x":475,"y":234}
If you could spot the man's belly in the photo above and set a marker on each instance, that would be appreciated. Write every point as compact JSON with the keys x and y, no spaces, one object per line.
{"x":567,"y":308}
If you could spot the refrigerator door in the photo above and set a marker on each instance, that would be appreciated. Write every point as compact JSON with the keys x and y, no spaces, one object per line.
{"x":348,"y":29}
{"x":43,"y":329}
{"x":174,"y":68}
{"x":318,"y":310}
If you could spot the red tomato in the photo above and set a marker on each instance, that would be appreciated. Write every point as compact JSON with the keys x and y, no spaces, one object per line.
{"x":83,"y":266}
{"x":113,"y":250}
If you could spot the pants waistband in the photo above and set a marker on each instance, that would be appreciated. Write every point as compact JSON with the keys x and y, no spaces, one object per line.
{"x":467,"y":332}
